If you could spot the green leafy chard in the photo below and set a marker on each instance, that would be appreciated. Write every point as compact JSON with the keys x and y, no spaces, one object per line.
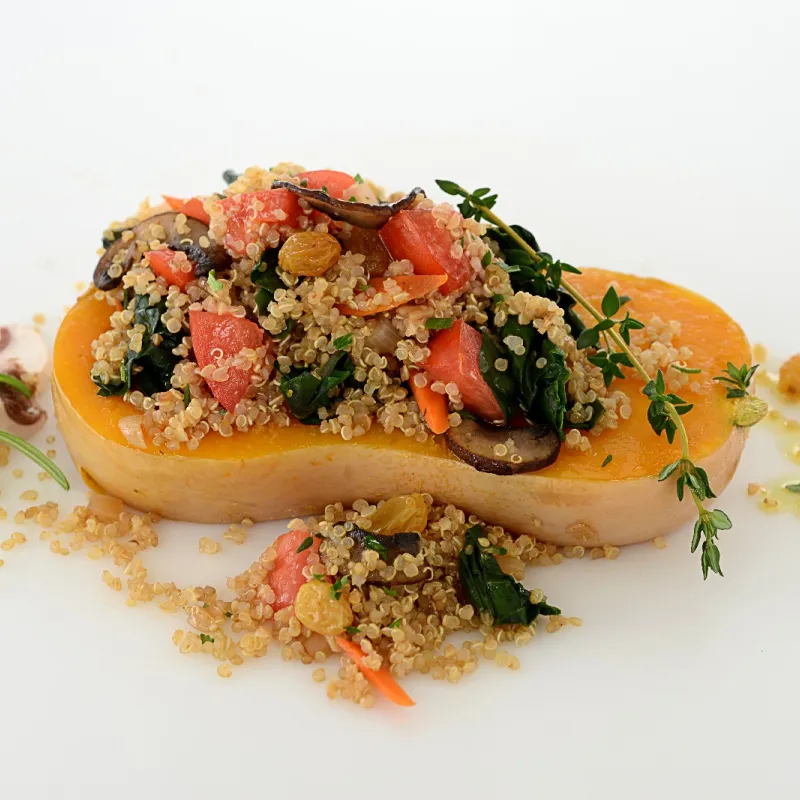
{"x":493,"y":593}
{"x":265,"y":276}
{"x":501,"y":383}
{"x":306,"y":391}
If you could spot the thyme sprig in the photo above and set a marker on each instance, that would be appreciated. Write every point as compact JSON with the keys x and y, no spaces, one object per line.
{"x":737,"y":380}
{"x":665,"y":409}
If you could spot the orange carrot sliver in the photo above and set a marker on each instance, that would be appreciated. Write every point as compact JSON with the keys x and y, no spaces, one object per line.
{"x":382,"y":680}
{"x":433,"y":407}
{"x":193,"y":207}
{"x":414,"y":286}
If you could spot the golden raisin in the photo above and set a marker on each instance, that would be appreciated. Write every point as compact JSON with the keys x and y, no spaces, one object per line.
{"x":404,"y":514}
{"x":319,"y":610}
{"x":309,"y":253}
{"x":789,"y":382}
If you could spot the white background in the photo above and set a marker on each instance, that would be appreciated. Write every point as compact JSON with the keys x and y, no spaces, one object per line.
{"x":658,"y":138}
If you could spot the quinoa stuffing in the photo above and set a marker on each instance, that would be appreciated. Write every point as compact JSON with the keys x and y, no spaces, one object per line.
{"x":253,"y":307}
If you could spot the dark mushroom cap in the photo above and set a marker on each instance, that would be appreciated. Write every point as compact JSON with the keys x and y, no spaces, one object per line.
{"x":474,"y":443}
{"x":396,"y":545}
{"x":362,"y":215}
{"x":124,"y":253}
{"x":19,"y":408}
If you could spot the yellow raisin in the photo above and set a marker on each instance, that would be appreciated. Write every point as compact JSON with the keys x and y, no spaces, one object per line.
{"x":789,"y":382}
{"x":404,"y":514}
{"x":309,"y":253}
{"x":319,"y":610}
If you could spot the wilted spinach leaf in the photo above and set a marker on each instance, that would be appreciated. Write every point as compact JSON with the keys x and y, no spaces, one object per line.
{"x":501,"y":383}
{"x":265,"y":276}
{"x":551,"y":397}
{"x":110,"y":389}
{"x":150,"y":370}
{"x":306,"y":391}
{"x":493,"y":592}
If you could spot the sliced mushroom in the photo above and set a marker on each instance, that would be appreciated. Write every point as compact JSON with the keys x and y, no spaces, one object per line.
{"x":536,"y":446}
{"x":24,"y":356}
{"x":366,"y":242}
{"x":395,"y":545}
{"x":164,"y":228}
{"x":362,"y":215}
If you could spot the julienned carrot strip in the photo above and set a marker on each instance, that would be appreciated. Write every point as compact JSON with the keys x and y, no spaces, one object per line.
{"x":193,"y":207}
{"x":412,"y":287}
{"x":433,"y":407}
{"x":382,"y":680}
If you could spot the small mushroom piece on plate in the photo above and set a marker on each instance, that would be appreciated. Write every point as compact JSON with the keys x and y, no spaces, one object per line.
{"x":388,"y":547}
{"x":190,"y":237}
{"x":362,"y":215}
{"x":24,"y":358}
{"x":503,"y":451}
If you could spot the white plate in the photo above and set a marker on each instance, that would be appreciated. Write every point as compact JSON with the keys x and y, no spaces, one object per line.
{"x":624,"y":135}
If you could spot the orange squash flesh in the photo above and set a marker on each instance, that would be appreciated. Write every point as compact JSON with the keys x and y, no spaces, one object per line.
{"x":273,"y":472}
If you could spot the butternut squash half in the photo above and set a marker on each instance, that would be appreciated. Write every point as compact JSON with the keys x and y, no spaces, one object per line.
{"x":273,"y":473}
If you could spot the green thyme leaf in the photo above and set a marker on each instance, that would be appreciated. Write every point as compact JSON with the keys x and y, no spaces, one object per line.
{"x":449,"y":187}
{"x":390,"y":592}
{"x":439,"y":324}
{"x":737,"y":379}
{"x":343,"y":341}
{"x":372,"y":543}
{"x":487,"y":258}
{"x":205,"y":638}
{"x":685,"y":370}
{"x":397,"y":623}
{"x":792,"y":487}
{"x":187,"y":396}
{"x":357,"y":178}
{"x":307,"y":542}
{"x":352,"y":630}
{"x":610,"y":304}
{"x":607,"y":460}
{"x":229,"y":614}
{"x":213,"y":284}
{"x":336,"y":589}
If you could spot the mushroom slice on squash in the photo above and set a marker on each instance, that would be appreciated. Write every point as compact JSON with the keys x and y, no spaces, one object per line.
{"x":536,"y":447}
{"x":163,"y":227}
{"x":362,"y":215}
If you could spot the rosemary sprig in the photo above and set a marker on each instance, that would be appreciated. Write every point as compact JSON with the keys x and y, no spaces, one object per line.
{"x":35,"y":455}
{"x":15,"y":383}
{"x":665,"y":410}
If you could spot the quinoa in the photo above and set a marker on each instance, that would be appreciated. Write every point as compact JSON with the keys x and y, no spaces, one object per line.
{"x":426,"y":626}
{"x":303,"y":321}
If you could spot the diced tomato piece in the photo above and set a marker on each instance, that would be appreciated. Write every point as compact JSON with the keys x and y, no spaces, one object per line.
{"x":335,"y":183}
{"x":213,"y":334}
{"x":161,"y":263}
{"x":287,"y":576}
{"x":455,"y":357}
{"x":413,"y":235}
{"x":246,"y":213}
{"x":193,"y":207}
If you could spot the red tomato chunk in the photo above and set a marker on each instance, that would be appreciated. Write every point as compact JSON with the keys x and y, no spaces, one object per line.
{"x":287,"y":576}
{"x":413,"y":235}
{"x":335,"y":183}
{"x":455,"y":358}
{"x":160,"y":262}
{"x":215,"y":334}
{"x":246,"y":213}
